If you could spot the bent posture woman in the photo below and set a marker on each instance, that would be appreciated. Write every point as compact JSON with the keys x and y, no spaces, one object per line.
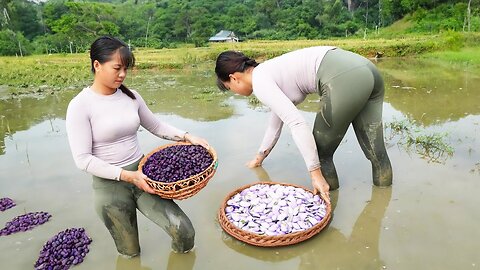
{"x":351,"y":91}
{"x":102,"y":124}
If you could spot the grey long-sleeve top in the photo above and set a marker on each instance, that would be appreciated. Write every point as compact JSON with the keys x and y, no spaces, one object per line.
{"x":102,"y":131}
{"x":281,"y":83}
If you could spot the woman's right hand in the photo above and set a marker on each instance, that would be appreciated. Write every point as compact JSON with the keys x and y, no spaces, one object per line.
{"x":256,"y":162}
{"x":138,"y":179}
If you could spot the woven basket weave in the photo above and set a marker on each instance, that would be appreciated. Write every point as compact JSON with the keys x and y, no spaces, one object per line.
{"x":184,"y":188}
{"x":268,"y":240}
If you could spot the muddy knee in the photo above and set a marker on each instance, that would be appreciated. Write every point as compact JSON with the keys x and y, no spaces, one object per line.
{"x":122,"y":225}
{"x":183,"y":236}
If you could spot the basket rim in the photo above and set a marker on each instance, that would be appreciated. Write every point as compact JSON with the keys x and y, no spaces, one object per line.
{"x":233,"y":230}
{"x":210,"y":150}
{"x":185,"y":192}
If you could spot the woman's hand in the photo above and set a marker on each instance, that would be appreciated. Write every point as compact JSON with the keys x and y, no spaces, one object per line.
{"x":196,"y":140}
{"x":320,"y":185}
{"x":138,"y":179}
{"x":255,"y":162}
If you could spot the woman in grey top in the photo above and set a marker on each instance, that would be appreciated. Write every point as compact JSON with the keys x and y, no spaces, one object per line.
{"x":351,"y":91}
{"x":102,"y":124}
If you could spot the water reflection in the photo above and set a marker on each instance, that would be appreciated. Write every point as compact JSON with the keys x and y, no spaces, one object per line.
{"x":428,"y":92}
{"x":361,"y":249}
{"x":262,"y":174}
{"x":130,"y":263}
{"x":175,"y":262}
{"x":181,"y":261}
{"x":191,"y":94}
{"x":18,"y":114}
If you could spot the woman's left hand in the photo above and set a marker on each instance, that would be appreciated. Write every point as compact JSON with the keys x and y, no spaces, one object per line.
{"x":320,"y":185}
{"x":196,"y":140}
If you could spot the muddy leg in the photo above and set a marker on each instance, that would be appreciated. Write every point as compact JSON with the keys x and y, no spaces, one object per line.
{"x":170,"y":217}
{"x":328,"y":136}
{"x":115,"y":206}
{"x":369,"y":131}
{"x":345,"y":84}
{"x":341,"y":99}
{"x":370,"y":137}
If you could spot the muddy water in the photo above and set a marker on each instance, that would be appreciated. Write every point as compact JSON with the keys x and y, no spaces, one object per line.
{"x":428,"y":219}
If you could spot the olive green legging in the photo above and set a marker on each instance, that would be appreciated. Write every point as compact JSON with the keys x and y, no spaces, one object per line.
{"x":116,"y":203}
{"x":351,"y":91}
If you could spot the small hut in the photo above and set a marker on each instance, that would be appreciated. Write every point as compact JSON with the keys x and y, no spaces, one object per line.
{"x":224,"y":36}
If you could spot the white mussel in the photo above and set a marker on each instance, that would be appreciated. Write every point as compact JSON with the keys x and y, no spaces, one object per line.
{"x":235,"y":216}
{"x":311,"y":220}
{"x":244,"y":203}
{"x":282,"y":216}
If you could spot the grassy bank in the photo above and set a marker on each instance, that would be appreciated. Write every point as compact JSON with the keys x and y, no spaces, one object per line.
{"x":37,"y":73}
{"x":465,"y":58}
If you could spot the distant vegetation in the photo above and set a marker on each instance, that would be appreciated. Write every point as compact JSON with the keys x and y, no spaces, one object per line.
{"x":69,"y":26}
{"x":40,"y":73}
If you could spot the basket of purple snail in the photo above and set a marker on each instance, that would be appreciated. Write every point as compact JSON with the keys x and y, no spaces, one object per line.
{"x":269,"y":214}
{"x":179,"y":170}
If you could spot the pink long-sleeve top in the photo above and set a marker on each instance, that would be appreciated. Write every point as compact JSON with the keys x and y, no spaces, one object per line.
{"x":102,"y":131}
{"x":281,"y":83}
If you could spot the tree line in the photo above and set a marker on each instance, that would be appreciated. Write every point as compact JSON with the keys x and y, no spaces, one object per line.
{"x":69,"y":26}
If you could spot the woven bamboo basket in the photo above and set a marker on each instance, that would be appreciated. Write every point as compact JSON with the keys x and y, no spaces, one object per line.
{"x":184,"y":188}
{"x":268,"y":240}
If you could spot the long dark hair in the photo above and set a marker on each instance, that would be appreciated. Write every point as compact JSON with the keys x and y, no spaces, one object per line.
{"x":102,"y":50}
{"x":229,"y":62}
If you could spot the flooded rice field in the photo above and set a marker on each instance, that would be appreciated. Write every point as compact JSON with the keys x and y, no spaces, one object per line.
{"x":428,"y":219}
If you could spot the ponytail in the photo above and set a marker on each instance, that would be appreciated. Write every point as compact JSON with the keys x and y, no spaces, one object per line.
{"x":127,"y":91}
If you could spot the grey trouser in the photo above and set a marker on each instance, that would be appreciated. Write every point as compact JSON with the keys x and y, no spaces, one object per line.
{"x":351,"y":91}
{"x":116,"y":203}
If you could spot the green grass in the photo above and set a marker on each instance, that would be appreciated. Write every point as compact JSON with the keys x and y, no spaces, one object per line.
{"x":397,"y":29}
{"x":465,"y":58}
{"x":466,"y":55}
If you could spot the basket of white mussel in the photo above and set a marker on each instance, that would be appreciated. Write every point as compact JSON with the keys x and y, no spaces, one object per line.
{"x":270,"y":214}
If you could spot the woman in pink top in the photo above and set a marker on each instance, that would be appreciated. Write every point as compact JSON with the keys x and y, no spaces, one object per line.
{"x":102,"y":123}
{"x":351,"y":91}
